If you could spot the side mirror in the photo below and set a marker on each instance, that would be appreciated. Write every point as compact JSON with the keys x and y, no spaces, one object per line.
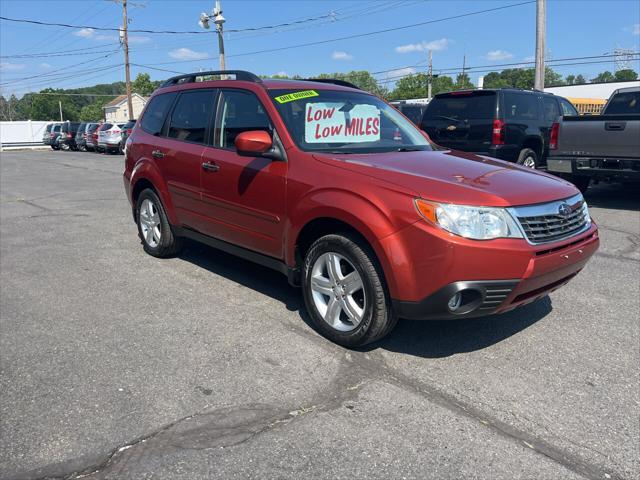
{"x":253,"y":143}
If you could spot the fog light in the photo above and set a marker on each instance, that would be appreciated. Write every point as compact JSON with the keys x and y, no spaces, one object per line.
{"x":455,"y":302}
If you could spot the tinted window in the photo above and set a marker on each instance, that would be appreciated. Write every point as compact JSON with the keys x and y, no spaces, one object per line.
{"x":520,"y":106}
{"x":191,"y":115}
{"x":105,"y":127}
{"x":412,"y":112}
{"x":56,"y":128}
{"x":624,"y":103}
{"x":567,"y":107}
{"x":239,"y":111}
{"x":49,"y":127}
{"x":154,"y":115}
{"x":462,"y":106}
{"x":550,"y":107}
{"x":92,"y":128}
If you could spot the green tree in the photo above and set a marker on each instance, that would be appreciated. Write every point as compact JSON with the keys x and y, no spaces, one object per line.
{"x":604,"y":77}
{"x":626,"y":75}
{"x":580,"y":80}
{"x":463,"y":82}
{"x":551,"y":78}
{"x":570,"y":80}
{"x":411,"y":86}
{"x":362,"y":79}
{"x":92,"y":112}
{"x":143,"y":85}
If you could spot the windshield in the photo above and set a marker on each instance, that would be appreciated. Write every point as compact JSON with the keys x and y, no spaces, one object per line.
{"x":345,"y":122}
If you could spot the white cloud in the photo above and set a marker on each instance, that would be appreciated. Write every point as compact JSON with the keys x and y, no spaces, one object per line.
{"x":495,"y":55}
{"x":530,"y":58}
{"x":338,"y":55}
{"x":635,"y":29}
{"x":85,"y":33}
{"x":10,"y":67}
{"x":45,"y":65}
{"x":281,"y":73}
{"x":401,"y":72}
{"x":435,"y":45}
{"x":187,"y":54}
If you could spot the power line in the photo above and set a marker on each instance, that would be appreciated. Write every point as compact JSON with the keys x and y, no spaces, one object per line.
{"x":166,"y":32}
{"x":61,"y":53}
{"x":360,"y":35}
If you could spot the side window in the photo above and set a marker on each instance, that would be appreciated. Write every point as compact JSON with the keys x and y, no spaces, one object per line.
{"x":154,"y":116}
{"x":520,"y":106}
{"x":567,"y":107}
{"x":550,"y":107}
{"x":239,"y":111}
{"x":190,"y":116}
{"x":624,"y":103}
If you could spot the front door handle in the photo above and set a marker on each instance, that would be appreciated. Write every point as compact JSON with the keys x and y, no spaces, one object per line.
{"x":157,"y":154}
{"x":210,"y":167}
{"x":614,"y":125}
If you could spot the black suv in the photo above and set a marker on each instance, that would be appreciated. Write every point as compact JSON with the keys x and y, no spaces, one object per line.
{"x":67,"y":140}
{"x":508,"y":124}
{"x":80,"y":138}
{"x":127,"y":128}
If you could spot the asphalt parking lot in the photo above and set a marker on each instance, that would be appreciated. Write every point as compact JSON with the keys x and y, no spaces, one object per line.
{"x":117,"y":365}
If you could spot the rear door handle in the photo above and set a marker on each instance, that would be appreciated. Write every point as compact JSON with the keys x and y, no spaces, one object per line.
{"x":614,"y":125}
{"x":157,"y":154}
{"x":210,"y":167}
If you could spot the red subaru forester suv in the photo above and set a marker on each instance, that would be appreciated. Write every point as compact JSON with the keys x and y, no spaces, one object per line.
{"x":336,"y":189}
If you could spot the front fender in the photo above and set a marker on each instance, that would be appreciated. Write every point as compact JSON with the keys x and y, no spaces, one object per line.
{"x":368,"y":218}
{"x":147,"y":170}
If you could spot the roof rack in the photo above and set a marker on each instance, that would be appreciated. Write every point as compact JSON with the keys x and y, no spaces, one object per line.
{"x":335,"y":81}
{"x":191,"y":77}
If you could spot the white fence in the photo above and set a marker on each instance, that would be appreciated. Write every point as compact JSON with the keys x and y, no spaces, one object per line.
{"x":22,"y":134}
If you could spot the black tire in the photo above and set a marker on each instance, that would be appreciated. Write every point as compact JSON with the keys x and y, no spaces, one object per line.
{"x":65,"y":147}
{"x":82,"y":148}
{"x":55,"y":147}
{"x":527,"y":156}
{"x":169,"y":244}
{"x":378,"y":318}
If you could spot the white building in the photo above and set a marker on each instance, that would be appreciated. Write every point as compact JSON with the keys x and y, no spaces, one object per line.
{"x":116,"y":109}
{"x":600,"y":91}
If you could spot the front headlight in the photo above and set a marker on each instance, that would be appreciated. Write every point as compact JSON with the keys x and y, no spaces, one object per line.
{"x":477,"y":223}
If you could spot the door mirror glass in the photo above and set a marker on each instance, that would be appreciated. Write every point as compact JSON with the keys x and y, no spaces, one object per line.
{"x":253,"y":143}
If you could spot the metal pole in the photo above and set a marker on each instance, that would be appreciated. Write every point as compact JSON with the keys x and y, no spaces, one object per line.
{"x":220,"y":37}
{"x":125,"y":44}
{"x":430,"y":75}
{"x":60,"y":105}
{"x":541,"y":21}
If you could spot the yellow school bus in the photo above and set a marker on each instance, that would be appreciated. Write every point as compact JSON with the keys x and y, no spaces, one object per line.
{"x":588,"y":106}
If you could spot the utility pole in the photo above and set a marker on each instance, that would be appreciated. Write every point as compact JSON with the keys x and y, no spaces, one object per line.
{"x":125,"y":43}
{"x":219,"y":20}
{"x":541,"y":25}
{"x":430,"y":76}
{"x":60,"y":106}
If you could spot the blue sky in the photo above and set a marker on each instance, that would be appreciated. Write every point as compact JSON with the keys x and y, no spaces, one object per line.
{"x":575,"y":28}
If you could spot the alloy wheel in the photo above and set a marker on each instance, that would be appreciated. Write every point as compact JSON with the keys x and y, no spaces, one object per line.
{"x":150,"y":223}
{"x":338,"y":291}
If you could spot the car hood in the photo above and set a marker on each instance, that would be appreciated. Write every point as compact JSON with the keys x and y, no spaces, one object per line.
{"x":451,"y":176}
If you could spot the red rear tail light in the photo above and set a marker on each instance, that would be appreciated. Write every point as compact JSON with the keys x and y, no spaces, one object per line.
{"x":497,"y":132}
{"x":68,"y":135}
{"x":129,"y":130}
{"x":553,"y":140}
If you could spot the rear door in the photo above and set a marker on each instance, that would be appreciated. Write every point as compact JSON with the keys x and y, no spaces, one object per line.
{"x":462,"y":120}
{"x":243,"y":197}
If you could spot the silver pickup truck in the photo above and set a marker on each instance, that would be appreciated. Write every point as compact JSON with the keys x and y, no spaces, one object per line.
{"x":599,"y":147}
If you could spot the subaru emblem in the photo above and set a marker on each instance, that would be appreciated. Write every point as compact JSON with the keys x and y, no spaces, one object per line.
{"x":564,"y":210}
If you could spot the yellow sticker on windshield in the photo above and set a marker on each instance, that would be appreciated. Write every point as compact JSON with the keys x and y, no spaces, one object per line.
{"x":290,"y":97}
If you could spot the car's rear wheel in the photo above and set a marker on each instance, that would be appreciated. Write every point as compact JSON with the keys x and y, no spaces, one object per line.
{"x":345,"y":292}
{"x":528,"y":158}
{"x":65,"y":147}
{"x":154,"y":228}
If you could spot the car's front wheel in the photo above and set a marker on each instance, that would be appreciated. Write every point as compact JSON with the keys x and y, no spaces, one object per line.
{"x":345,"y":291}
{"x":154,"y":228}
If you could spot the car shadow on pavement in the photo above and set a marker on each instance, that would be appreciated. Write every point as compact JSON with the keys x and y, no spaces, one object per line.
{"x":429,"y":339}
{"x":613,"y":196}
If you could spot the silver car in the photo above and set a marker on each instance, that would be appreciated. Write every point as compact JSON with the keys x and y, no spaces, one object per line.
{"x":109,"y":137}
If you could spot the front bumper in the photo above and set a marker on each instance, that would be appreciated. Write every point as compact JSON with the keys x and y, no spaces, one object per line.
{"x":494,"y":276}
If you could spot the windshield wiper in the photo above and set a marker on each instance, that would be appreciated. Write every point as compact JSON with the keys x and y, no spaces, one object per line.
{"x":450,"y":119}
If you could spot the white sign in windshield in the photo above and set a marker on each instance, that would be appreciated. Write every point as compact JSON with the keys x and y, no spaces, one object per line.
{"x":325,"y":123}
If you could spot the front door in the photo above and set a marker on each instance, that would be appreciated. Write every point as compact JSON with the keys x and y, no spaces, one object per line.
{"x":243,"y":198}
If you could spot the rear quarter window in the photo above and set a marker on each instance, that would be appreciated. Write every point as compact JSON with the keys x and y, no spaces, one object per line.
{"x":520,"y":106}
{"x":154,"y":116}
{"x":626,"y":103}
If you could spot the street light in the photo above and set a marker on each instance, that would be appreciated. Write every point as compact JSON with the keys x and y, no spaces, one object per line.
{"x":218,"y":20}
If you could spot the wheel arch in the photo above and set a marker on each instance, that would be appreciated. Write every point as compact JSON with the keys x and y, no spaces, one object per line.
{"x":145,"y":175}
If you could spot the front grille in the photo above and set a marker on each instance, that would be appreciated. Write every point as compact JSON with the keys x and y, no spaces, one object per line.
{"x":548,"y":225}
